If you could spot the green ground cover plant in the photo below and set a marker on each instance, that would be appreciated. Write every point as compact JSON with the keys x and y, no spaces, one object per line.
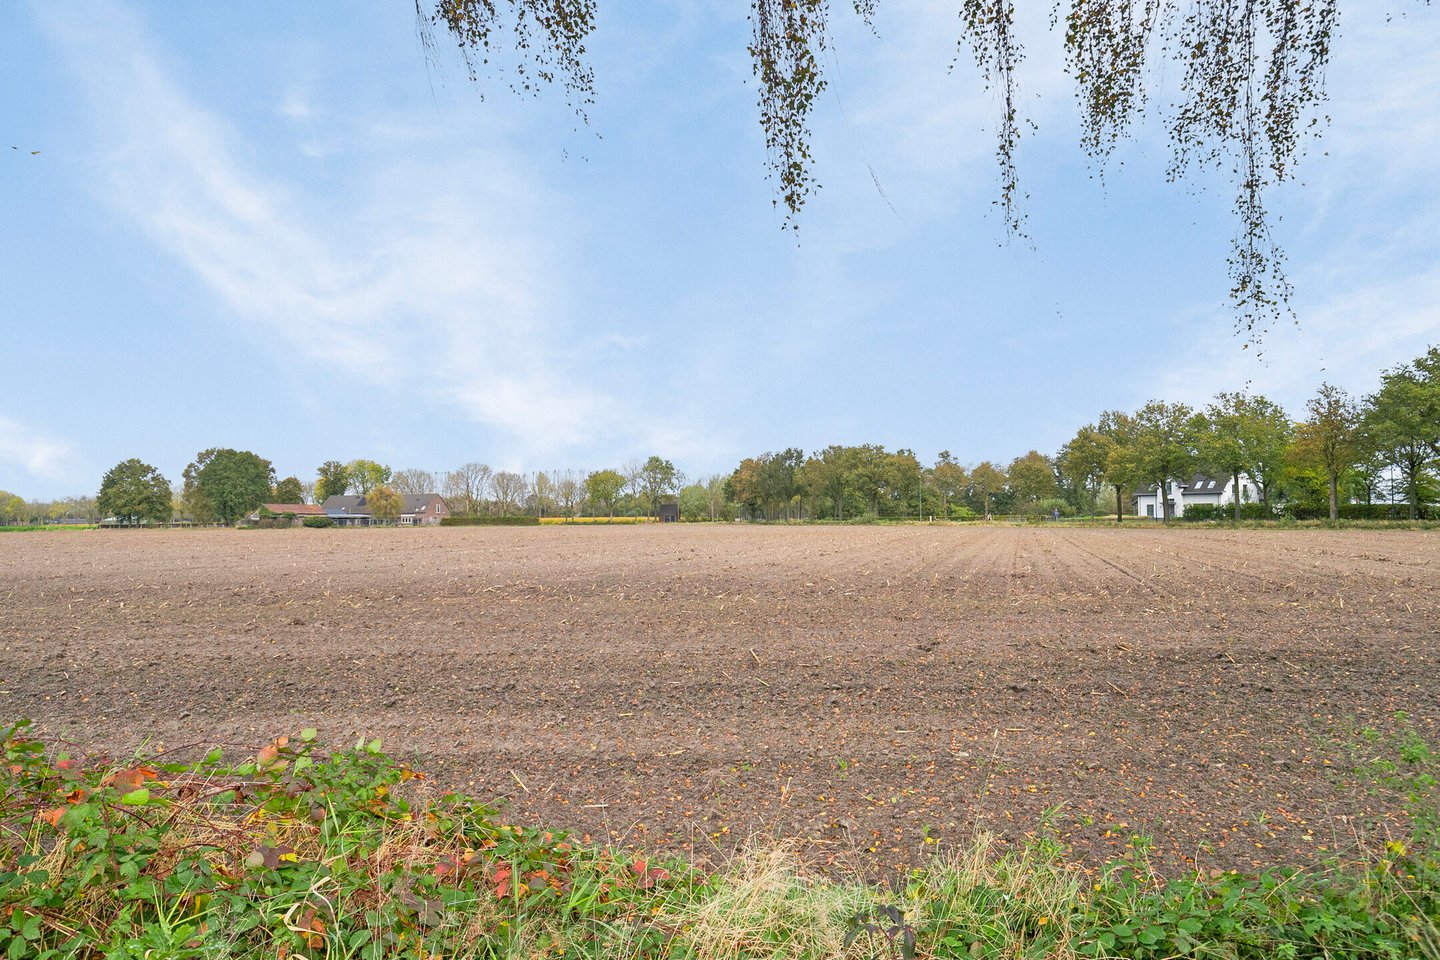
{"x":300,"y":851}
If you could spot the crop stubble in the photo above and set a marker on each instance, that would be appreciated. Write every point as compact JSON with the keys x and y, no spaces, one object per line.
{"x":857,"y":688}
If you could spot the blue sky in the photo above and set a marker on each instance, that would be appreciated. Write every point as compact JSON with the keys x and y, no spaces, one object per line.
{"x":282,"y":231}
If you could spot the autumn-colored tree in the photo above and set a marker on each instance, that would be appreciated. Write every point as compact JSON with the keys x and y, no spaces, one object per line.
{"x":384,"y":503}
{"x":12,"y":507}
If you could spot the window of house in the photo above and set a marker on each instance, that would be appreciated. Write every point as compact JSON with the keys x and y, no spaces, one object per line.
{"x":1150,"y":510}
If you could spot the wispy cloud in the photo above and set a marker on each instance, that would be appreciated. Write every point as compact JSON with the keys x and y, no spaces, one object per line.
{"x":429,"y":281}
{"x":38,"y":454}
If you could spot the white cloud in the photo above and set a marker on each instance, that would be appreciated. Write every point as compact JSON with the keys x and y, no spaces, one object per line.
{"x":430,"y":279}
{"x":1347,"y":339}
{"x":1363,"y":245}
{"x":38,"y":454}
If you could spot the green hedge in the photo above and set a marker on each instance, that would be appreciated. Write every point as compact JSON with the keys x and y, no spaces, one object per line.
{"x":318,"y":522}
{"x":488,"y":521}
{"x":1200,"y":512}
{"x":1353,"y":511}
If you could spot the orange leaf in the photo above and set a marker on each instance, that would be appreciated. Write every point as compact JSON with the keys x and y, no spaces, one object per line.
{"x":52,"y":817}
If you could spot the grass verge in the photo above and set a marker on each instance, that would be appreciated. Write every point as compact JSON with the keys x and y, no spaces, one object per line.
{"x":302,"y":852}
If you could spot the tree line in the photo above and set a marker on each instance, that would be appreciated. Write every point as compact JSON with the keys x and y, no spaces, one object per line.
{"x":1383,"y":447}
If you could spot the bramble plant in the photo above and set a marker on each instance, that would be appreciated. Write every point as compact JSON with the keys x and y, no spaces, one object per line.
{"x":298,"y":852}
{"x":294,"y":852}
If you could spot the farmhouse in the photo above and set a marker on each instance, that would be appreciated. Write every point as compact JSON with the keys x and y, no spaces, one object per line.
{"x":419,"y":509}
{"x":300,"y":510}
{"x":1201,"y":488}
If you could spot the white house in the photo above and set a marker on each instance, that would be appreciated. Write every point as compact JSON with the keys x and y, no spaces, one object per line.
{"x":1199,"y":489}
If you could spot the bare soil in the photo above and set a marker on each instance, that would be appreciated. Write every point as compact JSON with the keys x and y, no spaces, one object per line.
{"x":855,"y":688}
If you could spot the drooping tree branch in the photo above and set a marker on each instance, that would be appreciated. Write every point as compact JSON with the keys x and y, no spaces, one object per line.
{"x":545,"y":46}
{"x":786,"y":40}
{"x":1252,"y":82}
{"x":989,"y":29}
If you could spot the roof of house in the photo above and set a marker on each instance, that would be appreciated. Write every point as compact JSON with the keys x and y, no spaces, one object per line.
{"x":1200,"y":483}
{"x":299,"y":509}
{"x":353,"y":506}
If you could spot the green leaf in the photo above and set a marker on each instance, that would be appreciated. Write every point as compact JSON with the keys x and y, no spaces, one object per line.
{"x":136,"y":798}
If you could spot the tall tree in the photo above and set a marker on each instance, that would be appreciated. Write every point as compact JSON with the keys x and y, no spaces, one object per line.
{"x":986,"y":480}
{"x":510,"y":490}
{"x":134,"y":491}
{"x":542,"y":494}
{"x":334,"y":480}
{"x":602,"y":489}
{"x":366,"y":475}
{"x":414,"y":481}
{"x":949,"y":480}
{"x":12,"y":507}
{"x":569,"y":491}
{"x":289,"y":490}
{"x":1330,"y":437}
{"x":714,"y":486}
{"x":1163,"y":449}
{"x":466,"y":488}
{"x":1032,"y":478}
{"x":1239,"y":433}
{"x":777,"y":483}
{"x":827,"y":474}
{"x":658,"y":479}
{"x":1122,"y":467}
{"x":1083,"y":461}
{"x":385,"y":503}
{"x":227,"y":484}
{"x":1403,"y":422}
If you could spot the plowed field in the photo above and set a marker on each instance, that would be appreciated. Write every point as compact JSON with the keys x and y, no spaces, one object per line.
{"x":857,"y":688}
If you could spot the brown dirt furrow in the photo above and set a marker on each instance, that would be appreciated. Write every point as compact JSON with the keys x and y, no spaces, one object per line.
{"x":855,"y":687}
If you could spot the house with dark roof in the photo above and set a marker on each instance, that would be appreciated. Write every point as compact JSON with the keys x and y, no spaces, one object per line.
{"x":419,"y":509}
{"x":1201,"y":488}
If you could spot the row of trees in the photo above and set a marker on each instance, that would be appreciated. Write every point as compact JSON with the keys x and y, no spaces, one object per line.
{"x":1384,"y":446}
{"x":15,"y":509}
{"x":1343,"y":449}
{"x":845,"y":482}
